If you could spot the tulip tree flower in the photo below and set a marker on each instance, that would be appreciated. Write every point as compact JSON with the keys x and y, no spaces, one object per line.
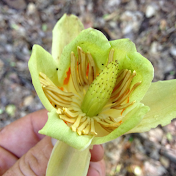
{"x":95,"y":90}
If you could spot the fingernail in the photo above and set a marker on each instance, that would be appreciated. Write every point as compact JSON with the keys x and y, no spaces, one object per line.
{"x":53,"y":141}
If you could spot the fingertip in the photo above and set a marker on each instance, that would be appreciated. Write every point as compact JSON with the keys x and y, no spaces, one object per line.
{"x":96,"y":168}
{"x":97,"y":153}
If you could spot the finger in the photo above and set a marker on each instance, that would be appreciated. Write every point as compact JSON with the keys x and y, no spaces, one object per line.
{"x":7,"y":159}
{"x":97,"y":169}
{"x":97,"y":153}
{"x":34,"y":162}
{"x":19,"y":136}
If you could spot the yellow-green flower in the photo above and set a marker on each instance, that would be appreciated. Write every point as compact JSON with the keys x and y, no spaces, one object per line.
{"x":97,"y":90}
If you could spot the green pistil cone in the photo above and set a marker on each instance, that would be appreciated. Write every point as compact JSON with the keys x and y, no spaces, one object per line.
{"x":100,"y":90}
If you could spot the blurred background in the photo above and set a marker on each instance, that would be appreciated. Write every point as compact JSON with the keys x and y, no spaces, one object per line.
{"x":150,"y":24}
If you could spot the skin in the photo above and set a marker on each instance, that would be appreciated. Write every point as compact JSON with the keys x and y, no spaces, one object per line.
{"x":23,"y":151}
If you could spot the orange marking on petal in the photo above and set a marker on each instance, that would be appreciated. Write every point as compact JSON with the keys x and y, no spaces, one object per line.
{"x":122,"y":111}
{"x":68,"y":76}
{"x":87,"y":71}
{"x":61,"y":88}
{"x":128,"y":100}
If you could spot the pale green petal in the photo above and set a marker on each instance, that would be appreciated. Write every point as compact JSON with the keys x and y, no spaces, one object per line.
{"x":90,"y":40}
{"x":42,"y":61}
{"x":122,"y":47}
{"x":132,"y":119}
{"x":67,"y":161}
{"x":65,"y":30}
{"x":56,"y":128}
{"x":161,"y":98}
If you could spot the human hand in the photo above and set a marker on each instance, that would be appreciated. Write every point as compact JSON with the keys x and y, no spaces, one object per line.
{"x":23,"y":151}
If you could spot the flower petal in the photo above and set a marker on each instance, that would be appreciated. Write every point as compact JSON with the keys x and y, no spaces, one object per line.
{"x":161,"y":98}
{"x":65,"y":30}
{"x":67,"y":161}
{"x":122,"y":47}
{"x":56,"y":128}
{"x":42,"y":61}
{"x":90,"y":40}
{"x":130,"y":121}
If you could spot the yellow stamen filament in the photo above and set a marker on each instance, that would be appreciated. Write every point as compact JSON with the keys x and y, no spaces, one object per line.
{"x":55,"y":102}
{"x":83,"y":66}
{"x":68,"y":104}
{"x":80,"y":66}
{"x":92,"y":69}
{"x":86,"y":130}
{"x":67,"y":119}
{"x":111,"y":56}
{"x":76,"y":124}
{"x":83,"y":126}
{"x":119,"y":88}
{"x":92,"y":130}
{"x":74,"y":72}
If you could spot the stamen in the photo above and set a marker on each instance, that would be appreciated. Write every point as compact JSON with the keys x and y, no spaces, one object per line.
{"x":80,"y":71}
{"x":119,"y":89}
{"x":48,"y":84}
{"x":67,"y":119}
{"x":92,"y":69}
{"x":84,"y":67}
{"x":86,"y":130}
{"x":111,"y":56}
{"x":57,"y":98}
{"x":60,"y":93}
{"x":79,"y":130}
{"x":69,"y":113}
{"x":51,"y":99}
{"x":123,"y":98}
{"x":76,"y":124}
{"x":92,"y":130}
{"x":74,"y":72}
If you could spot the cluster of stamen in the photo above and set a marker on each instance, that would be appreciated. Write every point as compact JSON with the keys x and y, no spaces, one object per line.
{"x":68,"y":104}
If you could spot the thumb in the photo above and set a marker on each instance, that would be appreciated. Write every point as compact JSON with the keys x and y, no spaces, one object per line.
{"x":34,"y":162}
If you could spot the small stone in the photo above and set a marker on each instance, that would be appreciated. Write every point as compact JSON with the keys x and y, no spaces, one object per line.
{"x":154,"y":48}
{"x":10,"y":110}
{"x":156,"y":135}
{"x":163,"y":24}
{"x":164,"y":161}
{"x":173,"y":51}
{"x":31,"y":8}
{"x":150,"y":11}
{"x":28,"y":100}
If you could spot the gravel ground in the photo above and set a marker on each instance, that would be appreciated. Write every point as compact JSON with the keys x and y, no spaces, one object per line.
{"x":150,"y":24}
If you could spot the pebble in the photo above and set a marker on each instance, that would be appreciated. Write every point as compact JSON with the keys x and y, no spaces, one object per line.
{"x":10,"y":110}
{"x":154,"y":48}
{"x":28,"y":100}
{"x":150,"y":11}
{"x":156,"y":135}
{"x":31,"y":9}
{"x":165,"y":162}
{"x":173,"y":51}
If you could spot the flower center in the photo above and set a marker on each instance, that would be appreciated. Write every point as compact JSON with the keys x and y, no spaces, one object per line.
{"x":91,"y":96}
